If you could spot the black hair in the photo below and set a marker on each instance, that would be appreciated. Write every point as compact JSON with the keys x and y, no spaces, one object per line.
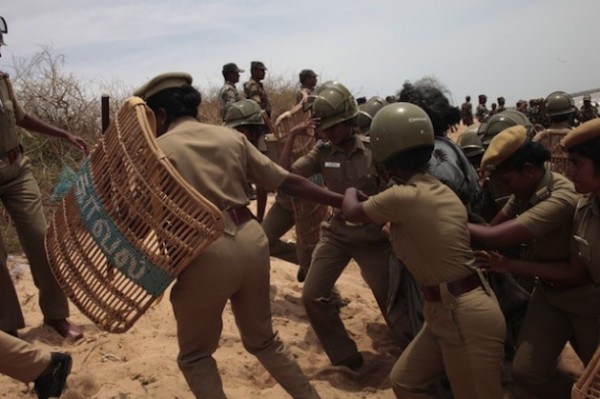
{"x":176,"y":101}
{"x":530,"y":152}
{"x":415,"y":159}
{"x":428,"y":94}
{"x":589,"y":149}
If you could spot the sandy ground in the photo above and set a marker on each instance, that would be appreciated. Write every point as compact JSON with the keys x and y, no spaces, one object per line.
{"x":141,"y":363}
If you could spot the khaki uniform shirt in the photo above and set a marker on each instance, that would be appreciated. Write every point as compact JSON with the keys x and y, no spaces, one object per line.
{"x":586,"y":234}
{"x":10,"y":114}
{"x":341,"y":170}
{"x":255,"y":91}
{"x":548,"y":215}
{"x":228,"y":95}
{"x":429,"y":230}
{"x":218,"y":162}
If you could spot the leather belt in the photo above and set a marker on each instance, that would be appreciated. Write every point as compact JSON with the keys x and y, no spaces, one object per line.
{"x":240,"y":215}
{"x":456,"y":288}
{"x":10,"y":157}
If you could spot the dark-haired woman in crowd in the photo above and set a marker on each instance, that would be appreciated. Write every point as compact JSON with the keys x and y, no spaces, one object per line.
{"x":219,"y":162}
{"x":539,"y":214}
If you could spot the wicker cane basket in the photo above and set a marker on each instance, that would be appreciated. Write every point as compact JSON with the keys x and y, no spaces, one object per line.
{"x":129,"y":225}
{"x":588,"y":385}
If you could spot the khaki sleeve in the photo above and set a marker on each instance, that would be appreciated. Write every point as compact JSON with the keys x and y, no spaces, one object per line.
{"x":309,"y":164}
{"x":385,"y":206}
{"x":19,"y":113}
{"x":511,"y":207}
{"x":261,"y":170}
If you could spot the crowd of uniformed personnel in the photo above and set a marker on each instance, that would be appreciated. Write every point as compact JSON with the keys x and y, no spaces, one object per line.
{"x":471,"y":248}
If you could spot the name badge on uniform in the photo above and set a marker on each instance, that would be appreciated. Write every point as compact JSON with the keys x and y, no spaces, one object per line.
{"x":585,"y":250}
{"x":332,"y":164}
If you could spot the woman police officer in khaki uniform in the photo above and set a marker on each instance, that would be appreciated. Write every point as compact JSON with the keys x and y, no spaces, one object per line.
{"x":345,"y":160}
{"x":464,"y":330}
{"x":218,"y":162}
{"x":571,"y":296}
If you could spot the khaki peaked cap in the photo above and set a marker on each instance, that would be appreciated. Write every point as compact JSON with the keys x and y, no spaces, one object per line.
{"x":502,"y":146}
{"x":582,"y":133}
{"x":163,"y":81}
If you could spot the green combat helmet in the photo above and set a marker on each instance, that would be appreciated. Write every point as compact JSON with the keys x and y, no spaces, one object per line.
{"x":500,"y":121}
{"x":333,"y":103}
{"x":244,"y":112}
{"x":366,"y":113}
{"x":559,"y":103}
{"x":470,"y":143}
{"x":399,"y":127}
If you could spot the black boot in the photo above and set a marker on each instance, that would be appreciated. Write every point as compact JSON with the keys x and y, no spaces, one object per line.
{"x":52,"y":381}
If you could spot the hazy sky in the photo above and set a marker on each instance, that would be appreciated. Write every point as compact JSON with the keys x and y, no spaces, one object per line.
{"x":515,"y":49}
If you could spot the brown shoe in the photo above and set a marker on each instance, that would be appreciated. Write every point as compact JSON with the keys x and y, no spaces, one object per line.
{"x":65,"y":328}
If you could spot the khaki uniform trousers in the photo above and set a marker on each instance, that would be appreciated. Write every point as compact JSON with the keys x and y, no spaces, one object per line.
{"x":21,"y":360}
{"x":276,"y":223}
{"x":235,"y":268}
{"x":463,"y":337}
{"x":20,"y":195}
{"x":574,"y":316}
{"x":339,"y":244}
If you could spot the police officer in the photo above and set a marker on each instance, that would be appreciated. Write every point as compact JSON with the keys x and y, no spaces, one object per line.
{"x":218,"y":162}
{"x":344,"y":161}
{"x":588,"y":110}
{"x":245,"y":116}
{"x":561,"y":110}
{"x":366,"y":112}
{"x":254,"y":88}
{"x":21,"y":197}
{"x":308,"y":82}
{"x":466,"y":112}
{"x":228,"y":94}
{"x":481,"y":112}
{"x":463,"y":334}
{"x":568,"y":294}
{"x":26,"y":363}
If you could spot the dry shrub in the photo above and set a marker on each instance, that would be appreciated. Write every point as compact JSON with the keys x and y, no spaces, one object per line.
{"x":61,"y":99}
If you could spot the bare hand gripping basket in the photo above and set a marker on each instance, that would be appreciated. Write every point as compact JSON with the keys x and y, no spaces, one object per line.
{"x":129,"y":225}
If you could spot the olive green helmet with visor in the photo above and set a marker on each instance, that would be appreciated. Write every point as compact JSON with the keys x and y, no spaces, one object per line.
{"x":500,"y":121}
{"x":367,"y":111}
{"x":399,"y":127}
{"x":244,"y":112}
{"x":470,"y":143}
{"x":332,"y":103}
{"x":559,"y":103}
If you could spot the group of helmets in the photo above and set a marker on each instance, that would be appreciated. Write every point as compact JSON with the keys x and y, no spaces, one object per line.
{"x":393,"y":128}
